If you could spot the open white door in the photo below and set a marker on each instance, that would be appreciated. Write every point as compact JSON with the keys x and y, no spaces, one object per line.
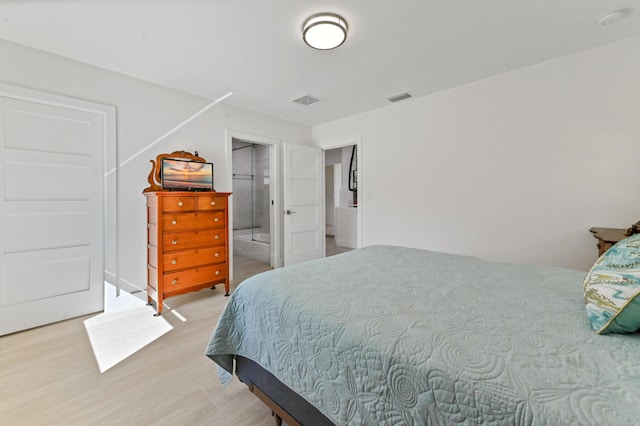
{"x":303,"y":203}
{"x":51,"y":209}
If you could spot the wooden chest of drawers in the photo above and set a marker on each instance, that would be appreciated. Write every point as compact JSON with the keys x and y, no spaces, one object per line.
{"x":187,"y":246}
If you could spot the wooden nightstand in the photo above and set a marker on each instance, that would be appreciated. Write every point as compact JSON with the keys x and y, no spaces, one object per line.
{"x":608,"y":236}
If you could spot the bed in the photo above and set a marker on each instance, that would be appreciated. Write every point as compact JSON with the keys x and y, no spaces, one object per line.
{"x":389,"y":335}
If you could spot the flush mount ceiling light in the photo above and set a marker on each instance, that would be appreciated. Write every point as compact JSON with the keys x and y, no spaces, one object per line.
{"x":324,"y":31}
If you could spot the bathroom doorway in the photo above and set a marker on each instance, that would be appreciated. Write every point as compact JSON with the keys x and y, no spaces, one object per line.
{"x":252,"y":202}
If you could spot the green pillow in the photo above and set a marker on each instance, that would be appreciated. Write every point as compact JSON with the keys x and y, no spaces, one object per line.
{"x":612,"y":289}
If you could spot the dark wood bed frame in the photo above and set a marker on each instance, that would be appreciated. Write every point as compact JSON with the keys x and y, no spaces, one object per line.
{"x":284,"y":403}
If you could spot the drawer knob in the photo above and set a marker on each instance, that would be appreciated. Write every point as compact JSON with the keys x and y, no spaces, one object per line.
{"x":173,"y":262}
{"x":179,"y":203}
{"x":213,"y":203}
{"x":217,"y":237}
{"x":174,"y":282}
{"x":217,"y":272}
{"x":216,"y":219}
{"x":216,"y":255}
{"x":174,"y":242}
{"x":173,"y":222}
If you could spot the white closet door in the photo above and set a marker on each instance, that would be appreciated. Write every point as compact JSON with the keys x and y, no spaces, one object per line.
{"x":51,"y":210}
{"x":303,"y":174}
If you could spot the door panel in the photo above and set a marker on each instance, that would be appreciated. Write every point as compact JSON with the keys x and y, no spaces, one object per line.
{"x":305,"y":216}
{"x":303,"y":240}
{"x":304,"y":189}
{"x":51,"y":208}
{"x":29,"y":232}
{"x":32,"y":126}
{"x":303,"y":204}
{"x":304,"y":164}
{"x":23,"y":181}
{"x":32,"y":280}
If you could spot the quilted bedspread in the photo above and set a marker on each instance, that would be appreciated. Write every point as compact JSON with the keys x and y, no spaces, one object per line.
{"x":396,"y":336}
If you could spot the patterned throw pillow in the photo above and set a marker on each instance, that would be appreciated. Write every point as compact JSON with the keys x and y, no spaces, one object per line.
{"x":612,"y":289}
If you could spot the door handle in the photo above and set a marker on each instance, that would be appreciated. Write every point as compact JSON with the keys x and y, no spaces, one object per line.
{"x":289,"y":212}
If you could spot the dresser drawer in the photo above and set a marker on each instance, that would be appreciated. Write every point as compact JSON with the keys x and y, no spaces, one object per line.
{"x":206,"y":274}
{"x":187,"y":259}
{"x":210,"y":202}
{"x":178,"y":204}
{"x":192,"y":221}
{"x":172,"y":241}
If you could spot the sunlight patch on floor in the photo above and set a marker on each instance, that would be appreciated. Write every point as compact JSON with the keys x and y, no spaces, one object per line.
{"x":126,"y":326}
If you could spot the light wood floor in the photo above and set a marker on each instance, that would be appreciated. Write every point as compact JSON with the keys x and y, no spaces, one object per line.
{"x":49,"y":376}
{"x":332,"y":248}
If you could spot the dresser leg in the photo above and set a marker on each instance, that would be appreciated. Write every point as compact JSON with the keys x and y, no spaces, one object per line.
{"x":158,"y":309}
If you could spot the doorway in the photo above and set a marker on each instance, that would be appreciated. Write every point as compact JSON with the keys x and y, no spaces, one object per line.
{"x":254,"y":240}
{"x":341,"y":199}
{"x":251,"y":212}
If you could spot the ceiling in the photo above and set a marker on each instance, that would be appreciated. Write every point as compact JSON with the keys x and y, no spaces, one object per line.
{"x":254,"y":48}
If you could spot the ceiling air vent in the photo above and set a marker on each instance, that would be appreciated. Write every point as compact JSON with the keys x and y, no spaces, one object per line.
{"x":306,"y":100}
{"x":400,"y":97}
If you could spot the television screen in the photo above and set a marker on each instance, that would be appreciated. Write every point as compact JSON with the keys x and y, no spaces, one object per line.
{"x":182,"y":175}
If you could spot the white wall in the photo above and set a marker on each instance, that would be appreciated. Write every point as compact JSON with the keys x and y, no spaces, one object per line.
{"x":145,"y":112}
{"x":515,"y":167}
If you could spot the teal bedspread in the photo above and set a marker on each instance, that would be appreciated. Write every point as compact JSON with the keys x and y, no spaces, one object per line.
{"x":396,"y":336}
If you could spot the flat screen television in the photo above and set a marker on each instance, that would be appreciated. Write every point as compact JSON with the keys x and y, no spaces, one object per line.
{"x":184,"y":175}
